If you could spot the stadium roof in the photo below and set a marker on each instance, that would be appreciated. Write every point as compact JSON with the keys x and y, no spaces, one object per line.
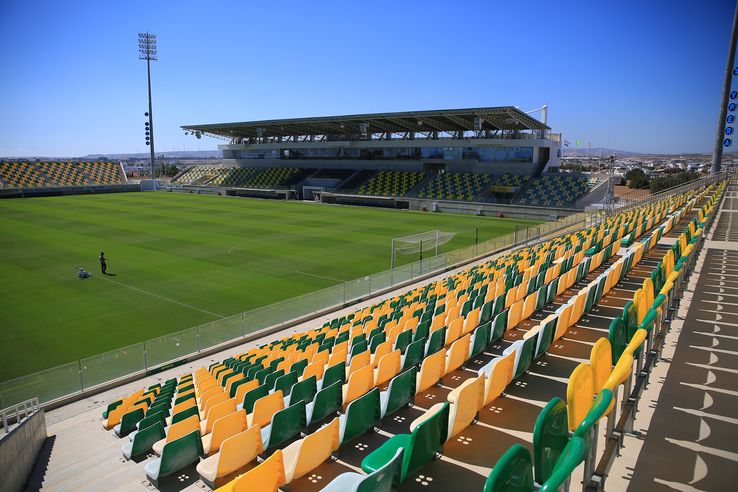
{"x":442,"y":120}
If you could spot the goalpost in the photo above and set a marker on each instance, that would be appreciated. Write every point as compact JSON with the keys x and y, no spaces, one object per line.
{"x":418,"y":243}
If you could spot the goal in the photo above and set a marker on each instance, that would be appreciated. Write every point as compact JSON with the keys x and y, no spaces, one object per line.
{"x":424,"y":242}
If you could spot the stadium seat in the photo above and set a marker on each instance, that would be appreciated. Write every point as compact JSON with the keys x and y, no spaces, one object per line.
{"x":223,"y":428}
{"x":361,"y":415}
{"x":268,"y":476}
{"x":235,"y":453}
{"x":175,"y":455}
{"x":143,"y":440}
{"x":512,"y":472}
{"x":327,"y":402}
{"x":385,"y":478}
{"x":419,"y":447}
{"x":308,"y":453}
{"x":285,"y":424}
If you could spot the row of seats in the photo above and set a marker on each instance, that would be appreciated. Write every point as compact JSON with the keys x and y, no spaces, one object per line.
{"x":455,"y":186}
{"x":555,"y":190}
{"x":240,"y":176}
{"x":44,"y":174}
{"x":391,"y":183}
{"x":258,"y":383}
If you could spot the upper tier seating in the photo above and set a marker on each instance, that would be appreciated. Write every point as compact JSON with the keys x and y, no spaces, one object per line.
{"x":391,"y":183}
{"x":269,"y":178}
{"x":455,"y":186}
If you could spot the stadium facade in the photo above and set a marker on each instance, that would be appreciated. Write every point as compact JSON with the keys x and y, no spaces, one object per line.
{"x":464,"y":140}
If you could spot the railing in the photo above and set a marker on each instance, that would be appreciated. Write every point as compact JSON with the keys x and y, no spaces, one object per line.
{"x":18,"y":412}
{"x":83,"y":375}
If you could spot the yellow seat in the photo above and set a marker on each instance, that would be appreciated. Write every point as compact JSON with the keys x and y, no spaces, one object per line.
{"x":382,"y":349}
{"x":499,"y":373}
{"x":579,"y":394}
{"x":454,"y":331}
{"x":466,"y":401}
{"x":360,"y":382}
{"x":223,"y":428}
{"x":265,"y":408}
{"x":267,"y":477}
{"x":431,"y":371}
{"x":243,"y":389}
{"x":235,"y":452}
{"x":471,"y":321}
{"x":358,"y":361}
{"x":304,"y":455}
{"x":175,"y":431}
{"x":600,"y":360}
{"x":216,"y":412}
{"x":514,"y":314}
{"x":388,"y":367}
{"x":458,"y":353}
{"x":315,"y":368}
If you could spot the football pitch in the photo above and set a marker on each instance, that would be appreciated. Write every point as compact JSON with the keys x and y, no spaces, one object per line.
{"x":178,"y":261}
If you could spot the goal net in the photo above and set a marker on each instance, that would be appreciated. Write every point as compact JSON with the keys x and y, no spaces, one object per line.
{"x":428,"y":241}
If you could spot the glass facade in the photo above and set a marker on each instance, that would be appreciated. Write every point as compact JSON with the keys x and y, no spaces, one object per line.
{"x":483,"y":154}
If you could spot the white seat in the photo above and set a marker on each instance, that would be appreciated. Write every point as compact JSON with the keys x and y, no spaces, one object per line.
{"x":127,"y":448}
{"x":345,"y":482}
{"x":152,"y":469}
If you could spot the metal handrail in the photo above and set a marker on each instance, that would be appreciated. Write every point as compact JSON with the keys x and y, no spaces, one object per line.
{"x":19,"y":412}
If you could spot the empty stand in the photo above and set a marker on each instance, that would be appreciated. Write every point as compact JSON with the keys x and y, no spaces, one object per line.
{"x":391,"y":183}
{"x":455,"y":186}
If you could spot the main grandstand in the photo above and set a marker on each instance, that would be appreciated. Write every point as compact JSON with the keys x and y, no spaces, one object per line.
{"x":520,"y":371}
{"x":483,"y":156}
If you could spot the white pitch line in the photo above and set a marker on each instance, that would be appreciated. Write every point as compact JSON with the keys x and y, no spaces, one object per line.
{"x":160,"y":296}
{"x":321,"y":276}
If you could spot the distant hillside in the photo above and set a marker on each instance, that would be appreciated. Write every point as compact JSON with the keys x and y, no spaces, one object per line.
{"x":595,"y":151}
{"x":182,"y":154}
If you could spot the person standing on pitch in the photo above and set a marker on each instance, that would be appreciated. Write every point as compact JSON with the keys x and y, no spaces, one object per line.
{"x":103,"y":265}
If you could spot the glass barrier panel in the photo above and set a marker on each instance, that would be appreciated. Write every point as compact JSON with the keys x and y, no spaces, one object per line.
{"x":220,"y":331}
{"x":171,"y":347}
{"x":47,"y":385}
{"x":112,"y":365}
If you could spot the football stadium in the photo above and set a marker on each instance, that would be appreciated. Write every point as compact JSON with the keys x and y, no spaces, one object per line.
{"x":422,"y":300}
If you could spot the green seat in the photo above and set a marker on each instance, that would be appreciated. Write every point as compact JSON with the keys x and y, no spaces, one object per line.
{"x":361,"y":415}
{"x":128,"y":422}
{"x":327,"y":402}
{"x":158,"y":407}
{"x":383,"y":480}
{"x":184,"y":414}
{"x":399,"y":393}
{"x":498,"y":326}
{"x":480,"y":339}
{"x":234,"y":386}
{"x":419,"y":447}
{"x":272,"y":377}
{"x":285,"y":424}
{"x":618,"y":337}
{"x":596,"y":412}
{"x":152,"y":418}
{"x":435,"y":342}
{"x":413,"y":354}
{"x":523,"y":355}
{"x":144,"y":440}
{"x":512,"y":472}
{"x":552,"y":288}
{"x":334,"y":374}
{"x":572,"y":455}
{"x":422,"y":331}
{"x":299,"y":367}
{"x":376,"y":340}
{"x":175,"y":456}
{"x":403,"y":340}
{"x":286,"y":383}
{"x":545,"y":337}
{"x":251,"y":396}
{"x":359,"y":347}
{"x":186,"y":397}
{"x":303,"y":391}
{"x":486,"y":314}
{"x":550,"y":437}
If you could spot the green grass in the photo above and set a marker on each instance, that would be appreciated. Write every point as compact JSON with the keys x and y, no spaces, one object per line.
{"x":179,"y":260}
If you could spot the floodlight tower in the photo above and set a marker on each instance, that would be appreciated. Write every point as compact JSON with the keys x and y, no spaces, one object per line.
{"x":147,"y":51}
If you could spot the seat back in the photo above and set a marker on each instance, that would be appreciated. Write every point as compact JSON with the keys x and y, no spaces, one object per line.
{"x":266,"y":407}
{"x":600,"y":360}
{"x":286,"y":382}
{"x":185,"y":414}
{"x":466,"y":401}
{"x":311,"y":451}
{"x":545,"y":337}
{"x":499,"y":373}
{"x":458,"y":353}
{"x":385,"y":478}
{"x":361,"y":415}
{"x":431,"y":370}
{"x":180,"y":453}
{"x":498,"y":326}
{"x":252,"y":396}
{"x":218,"y":411}
{"x":579,"y":394}
{"x":266,"y":477}
{"x":152,"y":418}
{"x":436,"y":341}
{"x":146,"y":437}
{"x":480,"y":339}
{"x":573,"y":454}
{"x":335,"y":373}
{"x":388,"y":367}
{"x":305,"y":390}
{"x":130,"y":419}
{"x":401,"y":390}
{"x":425,"y":441}
{"x":512,"y":472}
{"x":413,"y":354}
{"x":238,"y":450}
{"x":286,"y":424}
{"x":226,"y":427}
{"x":550,"y":437}
{"x":327,"y":401}
{"x":183,"y":428}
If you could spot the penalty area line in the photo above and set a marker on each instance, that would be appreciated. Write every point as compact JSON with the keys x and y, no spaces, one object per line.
{"x":321,"y":276}
{"x":160,"y":296}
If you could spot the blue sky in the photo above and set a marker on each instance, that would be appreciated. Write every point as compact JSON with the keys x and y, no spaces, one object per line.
{"x":633,"y":75}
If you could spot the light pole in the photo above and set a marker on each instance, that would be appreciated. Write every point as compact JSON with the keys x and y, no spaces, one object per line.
{"x":717,"y":151}
{"x":147,"y":51}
